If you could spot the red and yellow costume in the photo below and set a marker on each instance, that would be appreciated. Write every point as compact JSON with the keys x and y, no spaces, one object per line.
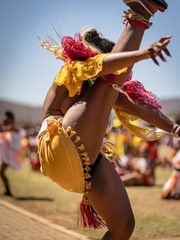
{"x":63,"y":158}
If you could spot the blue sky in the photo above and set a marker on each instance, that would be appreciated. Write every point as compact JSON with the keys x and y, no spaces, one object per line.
{"x":27,"y":70}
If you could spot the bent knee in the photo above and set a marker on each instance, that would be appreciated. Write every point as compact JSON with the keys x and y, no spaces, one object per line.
{"x":123,"y":227}
{"x":129,"y":225}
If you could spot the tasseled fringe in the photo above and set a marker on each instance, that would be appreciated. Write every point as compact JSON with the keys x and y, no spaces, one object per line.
{"x":87,"y":216}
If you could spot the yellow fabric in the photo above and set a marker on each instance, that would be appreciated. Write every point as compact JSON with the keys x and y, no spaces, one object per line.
{"x":123,"y":137}
{"x":116,"y":123}
{"x":74,"y":73}
{"x":144,"y":133}
{"x":60,"y":158}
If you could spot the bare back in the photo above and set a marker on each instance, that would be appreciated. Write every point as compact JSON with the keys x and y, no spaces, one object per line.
{"x":57,"y":101}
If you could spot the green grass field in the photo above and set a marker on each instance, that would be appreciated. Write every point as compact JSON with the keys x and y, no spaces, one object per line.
{"x":155,"y":218}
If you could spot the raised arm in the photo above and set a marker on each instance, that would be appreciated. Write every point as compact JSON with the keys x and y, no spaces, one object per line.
{"x":115,"y":61}
{"x":146,"y":112}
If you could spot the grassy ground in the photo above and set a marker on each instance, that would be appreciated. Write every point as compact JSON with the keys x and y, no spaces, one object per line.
{"x":155,"y":218}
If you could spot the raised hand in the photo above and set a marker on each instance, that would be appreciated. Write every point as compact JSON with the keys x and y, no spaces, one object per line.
{"x":156,"y":49}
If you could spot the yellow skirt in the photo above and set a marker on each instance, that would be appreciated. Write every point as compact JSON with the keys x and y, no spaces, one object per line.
{"x":63,"y":159}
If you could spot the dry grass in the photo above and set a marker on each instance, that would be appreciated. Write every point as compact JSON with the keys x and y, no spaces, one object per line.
{"x":155,"y":218}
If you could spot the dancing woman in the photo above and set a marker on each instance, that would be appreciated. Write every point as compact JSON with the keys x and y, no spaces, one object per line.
{"x":77,"y":108}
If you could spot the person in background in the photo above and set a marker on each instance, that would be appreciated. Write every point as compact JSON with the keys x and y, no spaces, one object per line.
{"x":124,"y":165}
{"x":33,"y":147}
{"x":10,"y":147}
{"x":171,"y":188}
{"x":144,"y":173}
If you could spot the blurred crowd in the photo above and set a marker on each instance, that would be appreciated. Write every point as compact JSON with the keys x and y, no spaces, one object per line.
{"x":30,"y":147}
{"x":136,"y":159}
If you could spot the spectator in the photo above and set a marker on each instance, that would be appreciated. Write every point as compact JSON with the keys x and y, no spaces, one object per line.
{"x":171,"y":189}
{"x":10,"y":147}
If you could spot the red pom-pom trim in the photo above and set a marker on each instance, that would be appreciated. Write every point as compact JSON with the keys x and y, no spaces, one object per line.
{"x":76,"y":49}
{"x":135,"y":89}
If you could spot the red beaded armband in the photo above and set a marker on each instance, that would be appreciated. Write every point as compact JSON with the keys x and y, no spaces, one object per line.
{"x":140,"y":24}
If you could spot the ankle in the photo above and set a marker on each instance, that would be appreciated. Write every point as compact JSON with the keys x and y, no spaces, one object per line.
{"x":153,"y":8}
{"x":136,"y":18}
{"x":146,"y":8}
{"x":143,"y":12}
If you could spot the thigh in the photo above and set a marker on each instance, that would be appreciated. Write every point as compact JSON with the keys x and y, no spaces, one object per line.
{"x":109,"y":197}
{"x":89,"y":116}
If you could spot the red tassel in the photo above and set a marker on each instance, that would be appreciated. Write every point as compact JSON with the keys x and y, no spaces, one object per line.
{"x":88,"y":217}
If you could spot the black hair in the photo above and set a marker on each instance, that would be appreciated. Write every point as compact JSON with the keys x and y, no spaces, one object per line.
{"x":95,"y":39}
{"x":9,"y":115}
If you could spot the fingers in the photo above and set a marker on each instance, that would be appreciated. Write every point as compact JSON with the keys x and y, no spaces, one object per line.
{"x":156,"y":51}
{"x":162,"y":47}
{"x":157,"y":48}
{"x":163,"y":39}
{"x":167,"y":52}
{"x":151,"y":53}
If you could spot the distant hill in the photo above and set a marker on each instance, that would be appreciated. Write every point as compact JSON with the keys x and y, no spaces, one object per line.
{"x":32,"y":115}
{"x":171,"y":107}
{"x":24,"y":114}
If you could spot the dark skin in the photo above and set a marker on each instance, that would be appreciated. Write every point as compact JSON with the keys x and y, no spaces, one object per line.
{"x":89,"y":113}
{"x":78,"y":109}
{"x":57,"y":101}
{"x":73,"y":109}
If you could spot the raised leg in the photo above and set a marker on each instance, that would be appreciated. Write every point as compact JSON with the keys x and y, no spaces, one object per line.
{"x":132,"y":34}
{"x":91,"y":113}
{"x":89,"y":118}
